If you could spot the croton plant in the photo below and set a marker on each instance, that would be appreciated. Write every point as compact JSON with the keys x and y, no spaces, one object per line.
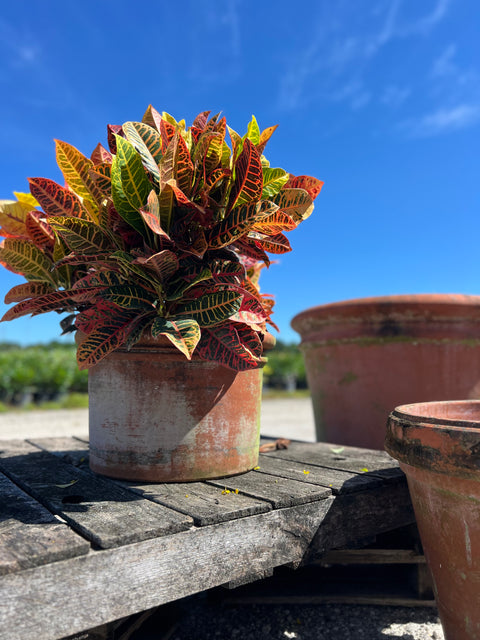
{"x":163,"y":234}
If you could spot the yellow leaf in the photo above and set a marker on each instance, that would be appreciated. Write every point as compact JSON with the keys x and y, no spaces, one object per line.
{"x":65,"y":486}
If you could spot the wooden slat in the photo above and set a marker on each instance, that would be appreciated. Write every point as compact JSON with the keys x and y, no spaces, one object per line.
{"x":351,"y":459}
{"x":101,"y":511}
{"x":198,"y":500}
{"x":29,"y":534}
{"x":280,"y":492}
{"x":338,"y":481}
{"x":204,"y":503}
{"x":68,"y":597}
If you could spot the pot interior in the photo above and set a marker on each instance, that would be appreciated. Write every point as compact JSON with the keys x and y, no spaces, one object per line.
{"x":450,"y":413}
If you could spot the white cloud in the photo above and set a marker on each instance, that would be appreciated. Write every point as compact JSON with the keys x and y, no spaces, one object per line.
{"x":442,"y":121}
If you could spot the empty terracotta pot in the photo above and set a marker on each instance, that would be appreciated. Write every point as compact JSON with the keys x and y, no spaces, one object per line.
{"x":438,"y":447}
{"x":363,"y":357}
{"x":155,"y":416}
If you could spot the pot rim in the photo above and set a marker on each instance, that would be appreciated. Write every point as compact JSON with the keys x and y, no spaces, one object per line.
{"x":419,"y":413}
{"x":442,"y":444}
{"x":384,"y":303}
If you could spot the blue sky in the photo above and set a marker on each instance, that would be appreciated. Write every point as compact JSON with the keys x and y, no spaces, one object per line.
{"x":378,"y":98}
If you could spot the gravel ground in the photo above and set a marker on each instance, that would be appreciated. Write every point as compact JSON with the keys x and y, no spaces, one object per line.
{"x":202,"y":619}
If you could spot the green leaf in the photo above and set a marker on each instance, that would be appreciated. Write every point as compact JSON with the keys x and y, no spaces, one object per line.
{"x":75,"y":168}
{"x":147,"y":142}
{"x":212,"y":308}
{"x":82,"y":236}
{"x":129,"y":296}
{"x":24,"y":258}
{"x":183,"y":333}
{"x":253,"y":131}
{"x":273,"y":181}
{"x":101,"y":174}
{"x":187,"y":278}
{"x":248,"y":183}
{"x":135,"y":184}
{"x":56,"y":200}
{"x":165,"y":206}
{"x":122,"y":205}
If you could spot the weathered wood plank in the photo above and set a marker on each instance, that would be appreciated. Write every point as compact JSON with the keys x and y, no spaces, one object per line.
{"x":358,"y":517}
{"x":29,"y":534}
{"x":101,"y":511}
{"x":204,"y":503}
{"x":70,"y":450}
{"x":350,"y":459}
{"x":338,"y":481}
{"x":280,"y":492}
{"x":106,"y":585}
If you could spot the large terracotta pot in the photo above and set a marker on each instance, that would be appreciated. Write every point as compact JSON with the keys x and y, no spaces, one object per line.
{"x":438,"y":447}
{"x":363,"y":357}
{"x":155,"y":416}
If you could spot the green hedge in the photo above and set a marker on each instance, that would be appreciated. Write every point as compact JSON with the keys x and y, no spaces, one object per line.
{"x":39,"y":373}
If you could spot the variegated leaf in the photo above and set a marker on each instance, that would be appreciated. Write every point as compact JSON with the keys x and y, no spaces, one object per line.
{"x":248,"y":183}
{"x":274,"y":223}
{"x":237,"y":143}
{"x":188,"y":278}
{"x":164,"y":264}
{"x":253,"y":131}
{"x":152,"y":117}
{"x":296,"y":203}
{"x":273,"y":244}
{"x":147,"y":142}
{"x":273,"y":181}
{"x":135,"y":184}
{"x":183,"y":333}
{"x":248,"y":247}
{"x":312,"y":186}
{"x":129,"y":296}
{"x":168,"y":132}
{"x":26,"y":199}
{"x":184,"y":168}
{"x":27,"y":290}
{"x":231,"y":347}
{"x":98,"y":314}
{"x":100,"y":155}
{"x":211,"y":309}
{"x":23,"y":257}
{"x":214,"y":150}
{"x":238,"y":222}
{"x":104,"y":278}
{"x":39,"y":231}
{"x":121,"y":203}
{"x":165,"y":206}
{"x":201,"y":120}
{"x":75,"y":168}
{"x":264,"y":138}
{"x":56,"y":301}
{"x":81,"y":236}
{"x":102,"y":176}
{"x":105,"y":338}
{"x":13,"y":215}
{"x":56,"y":200}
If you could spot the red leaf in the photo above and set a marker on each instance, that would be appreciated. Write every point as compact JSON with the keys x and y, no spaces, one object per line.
{"x":248,"y":183}
{"x":100,"y":154}
{"x":311,"y":185}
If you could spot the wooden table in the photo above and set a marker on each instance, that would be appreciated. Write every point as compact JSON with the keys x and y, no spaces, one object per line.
{"x":78,"y":550}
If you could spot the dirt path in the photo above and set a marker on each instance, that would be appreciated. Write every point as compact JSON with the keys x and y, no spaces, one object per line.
{"x":287,"y":418}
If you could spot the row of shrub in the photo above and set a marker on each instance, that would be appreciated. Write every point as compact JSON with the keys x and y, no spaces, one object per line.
{"x":46,"y":372}
{"x":39,"y":373}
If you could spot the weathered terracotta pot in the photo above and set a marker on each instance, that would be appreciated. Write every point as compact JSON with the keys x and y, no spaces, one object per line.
{"x":438,"y":447}
{"x":154,"y":416}
{"x":363,"y":357}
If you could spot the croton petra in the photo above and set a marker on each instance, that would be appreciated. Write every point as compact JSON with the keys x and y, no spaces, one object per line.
{"x":163,"y":234}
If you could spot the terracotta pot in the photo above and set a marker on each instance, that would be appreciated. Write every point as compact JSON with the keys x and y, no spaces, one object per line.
{"x":364,"y":357}
{"x":438,"y":447}
{"x":154,"y":416}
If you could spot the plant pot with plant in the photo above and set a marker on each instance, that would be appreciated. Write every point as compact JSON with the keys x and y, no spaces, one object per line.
{"x":438,"y":447}
{"x":154,"y":249}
